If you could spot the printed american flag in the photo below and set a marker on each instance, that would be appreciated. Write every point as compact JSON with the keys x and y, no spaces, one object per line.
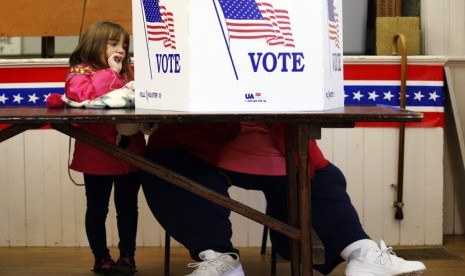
{"x":29,"y":86}
{"x":248,"y":19}
{"x":333,"y":24}
{"x":380,"y":85}
{"x":160,"y":23}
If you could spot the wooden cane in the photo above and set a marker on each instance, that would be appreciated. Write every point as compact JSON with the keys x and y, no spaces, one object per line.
{"x":398,"y":204}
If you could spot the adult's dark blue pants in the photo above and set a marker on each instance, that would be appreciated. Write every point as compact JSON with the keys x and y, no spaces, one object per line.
{"x":199,"y":224}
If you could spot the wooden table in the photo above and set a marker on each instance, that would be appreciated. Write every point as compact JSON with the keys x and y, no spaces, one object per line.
{"x":300,"y":126}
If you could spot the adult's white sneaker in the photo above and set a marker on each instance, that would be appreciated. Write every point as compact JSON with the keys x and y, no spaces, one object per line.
{"x":382,"y":261}
{"x":217,"y":264}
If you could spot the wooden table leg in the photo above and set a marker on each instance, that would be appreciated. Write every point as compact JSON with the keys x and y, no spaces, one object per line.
{"x":305,"y":132}
{"x":292,"y":194}
{"x":304,"y":200}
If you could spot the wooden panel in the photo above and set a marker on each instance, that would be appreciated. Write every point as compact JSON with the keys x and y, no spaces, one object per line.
{"x":413,"y":228}
{"x":150,"y":233}
{"x":111,"y":226}
{"x":52,"y":190}
{"x":436,"y":38}
{"x":247,"y":232}
{"x":455,"y":216}
{"x":239,"y":223}
{"x":367,"y":156}
{"x":371,"y":169}
{"x":4,"y":196}
{"x":59,"y":18}
{"x":340,"y":143}
{"x":68,"y":196}
{"x":81,"y":237}
{"x":255,"y":199}
{"x":13,"y":186}
{"x":434,"y":187}
{"x":372,"y":179}
{"x":391,"y":226}
{"x":17,"y":190}
{"x":354,"y":173}
{"x":35,"y":183}
{"x":443,"y":25}
{"x":456,"y":24}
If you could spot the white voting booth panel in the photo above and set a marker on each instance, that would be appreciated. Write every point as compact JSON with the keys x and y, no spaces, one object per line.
{"x":238,"y":55}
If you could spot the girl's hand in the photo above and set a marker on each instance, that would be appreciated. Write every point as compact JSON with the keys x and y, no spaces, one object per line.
{"x":115,"y":62}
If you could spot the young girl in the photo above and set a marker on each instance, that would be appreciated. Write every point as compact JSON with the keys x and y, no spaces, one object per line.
{"x":100,"y":64}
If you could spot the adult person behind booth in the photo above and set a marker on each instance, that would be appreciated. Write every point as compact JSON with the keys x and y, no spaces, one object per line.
{"x":251,"y":156}
{"x":100,"y":67}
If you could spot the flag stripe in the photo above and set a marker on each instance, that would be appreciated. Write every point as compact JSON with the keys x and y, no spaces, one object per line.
{"x":392,"y":72}
{"x":32,"y":74}
{"x":380,"y":84}
{"x":393,"y":82}
{"x":33,"y":85}
{"x":333,"y":24}
{"x":249,"y":19}
{"x":389,"y":95}
{"x":160,"y":23}
{"x":27,"y":96}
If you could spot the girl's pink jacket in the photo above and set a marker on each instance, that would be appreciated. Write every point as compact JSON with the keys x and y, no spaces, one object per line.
{"x":84,"y":83}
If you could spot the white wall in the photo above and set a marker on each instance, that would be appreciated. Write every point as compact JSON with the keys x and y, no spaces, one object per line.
{"x":443,"y":25}
{"x":40,"y":206}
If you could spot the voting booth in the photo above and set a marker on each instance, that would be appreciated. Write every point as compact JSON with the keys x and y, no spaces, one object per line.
{"x":229,"y":55}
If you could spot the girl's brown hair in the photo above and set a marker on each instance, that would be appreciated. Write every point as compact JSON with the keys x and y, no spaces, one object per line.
{"x":94,"y":44}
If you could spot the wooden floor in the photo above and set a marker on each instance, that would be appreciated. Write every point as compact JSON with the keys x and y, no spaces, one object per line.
{"x":445,"y":260}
